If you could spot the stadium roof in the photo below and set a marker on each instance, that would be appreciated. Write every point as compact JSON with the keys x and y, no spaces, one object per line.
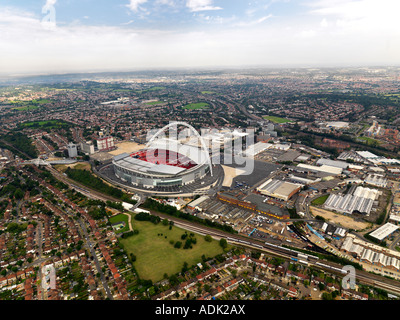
{"x":197,"y":155}
{"x":131,"y":163}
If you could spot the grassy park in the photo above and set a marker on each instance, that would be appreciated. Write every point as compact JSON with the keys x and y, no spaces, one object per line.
{"x":47,"y":124}
{"x":277,"y":119}
{"x":320,"y":201}
{"x":196,"y":106}
{"x":157,"y":256}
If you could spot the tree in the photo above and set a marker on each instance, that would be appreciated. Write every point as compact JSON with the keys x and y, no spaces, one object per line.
{"x":178,"y":244}
{"x":18,"y":194}
{"x":223,"y":243}
{"x":208,"y":238}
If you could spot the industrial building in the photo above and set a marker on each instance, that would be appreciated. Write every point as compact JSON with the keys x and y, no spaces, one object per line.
{"x":384,"y":231}
{"x":195,"y":204}
{"x":333,"y":231}
{"x":256,"y":148}
{"x":358,"y":199}
{"x":377,"y":180}
{"x":279,"y":189}
{"x":382,"y":260}
{"x":332,"y":163}
{"x":254,"y":203}
{"x":324,"y":168}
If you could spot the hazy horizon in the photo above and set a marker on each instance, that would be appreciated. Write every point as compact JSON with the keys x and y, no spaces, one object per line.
{"x":61,"y":37}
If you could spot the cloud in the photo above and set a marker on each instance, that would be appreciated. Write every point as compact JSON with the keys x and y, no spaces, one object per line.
{"x":27,"y":47}
{"x":254,"y":22}
{"x":324,"y":23}
{"x":166,"y":2}
{"x":201,"y":5}
{"x":134,"y":4}
{"x":362,"y":15}
{"x":50,"y":3}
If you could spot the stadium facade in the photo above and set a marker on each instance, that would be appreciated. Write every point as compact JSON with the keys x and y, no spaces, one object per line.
{"x":166,"y":163}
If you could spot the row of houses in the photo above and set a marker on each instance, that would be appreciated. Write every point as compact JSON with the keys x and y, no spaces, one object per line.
{"x":13,"y":278}
{"x":230,"y":262}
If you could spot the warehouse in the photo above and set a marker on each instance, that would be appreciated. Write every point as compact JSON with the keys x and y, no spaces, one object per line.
{"x":384,"y":261}
{"x":279,"y":189}
{"x":376,"y":180}
{"x":255,"y":149}
{"x":360,"y":200}
{"x":195,"y":204}
{"x":324,"y":168}
{"x":384,"y":231}
{"x":332,"y":163}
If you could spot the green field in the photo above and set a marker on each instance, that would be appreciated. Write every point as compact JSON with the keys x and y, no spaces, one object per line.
{"x":195,"y":106}
{"x":156,"y":89}
{"x":277,"y":119}
{"x":151,"y":89}
{"x":26,"y":108}
{"x":320,"y":201}
{"x":120,"y":218}
{"x":155,"y":256}
{"x":370,"y":141}
{"x":45,"y":124}
{"x":28,"y":105}
{"x":207,"y":92}
{"x":154,"y":103}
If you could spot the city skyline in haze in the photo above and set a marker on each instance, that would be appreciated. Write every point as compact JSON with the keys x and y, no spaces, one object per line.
{"x":61,"y":36}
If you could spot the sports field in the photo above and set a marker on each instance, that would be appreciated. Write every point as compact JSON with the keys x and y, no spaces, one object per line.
{"x":277,"y":119}
{"x":155,"y":255}
{"x":207,"y":92}
{"x":153,"y":103}
{"x":195,"y":106}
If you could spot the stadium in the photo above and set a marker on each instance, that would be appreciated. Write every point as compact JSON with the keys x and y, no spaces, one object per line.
{"x":165,"y":163}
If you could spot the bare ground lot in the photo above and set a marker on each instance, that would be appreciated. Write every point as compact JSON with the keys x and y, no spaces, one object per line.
{"x":78,"y":165}
{"x":230,"y":173}
{"x":339,"y":219}
{"x":126,"y":147}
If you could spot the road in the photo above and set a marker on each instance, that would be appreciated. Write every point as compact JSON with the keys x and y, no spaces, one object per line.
{"x":90,"y":247}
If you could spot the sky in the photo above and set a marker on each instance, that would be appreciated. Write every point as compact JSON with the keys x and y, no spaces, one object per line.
{"x":61,"y":36}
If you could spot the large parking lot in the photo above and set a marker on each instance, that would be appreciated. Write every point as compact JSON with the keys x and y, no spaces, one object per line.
{"x":261,"y":170}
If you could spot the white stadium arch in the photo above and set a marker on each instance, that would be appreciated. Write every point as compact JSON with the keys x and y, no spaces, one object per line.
{"x":181,"y":123}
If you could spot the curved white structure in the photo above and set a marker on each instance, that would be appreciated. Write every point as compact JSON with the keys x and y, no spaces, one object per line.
{"x":176,"y":123}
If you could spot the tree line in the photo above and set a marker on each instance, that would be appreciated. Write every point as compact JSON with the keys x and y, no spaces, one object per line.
{"x":152,"y":204}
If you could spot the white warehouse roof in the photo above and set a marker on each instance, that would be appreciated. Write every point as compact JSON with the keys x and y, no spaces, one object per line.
{"x":323,"y":168}
{"x":384,"y":231}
